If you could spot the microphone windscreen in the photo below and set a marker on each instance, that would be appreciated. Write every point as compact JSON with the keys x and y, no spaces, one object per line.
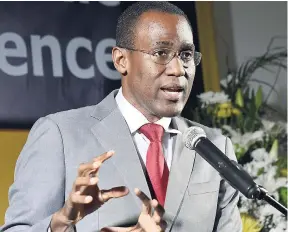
{"x":191,"y":136}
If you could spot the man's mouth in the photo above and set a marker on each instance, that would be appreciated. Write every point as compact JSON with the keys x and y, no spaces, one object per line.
{"x":172,"y":89}
{"x":173,"y":92}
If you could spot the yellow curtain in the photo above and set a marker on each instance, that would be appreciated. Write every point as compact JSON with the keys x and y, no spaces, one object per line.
{"x":11,"y":143}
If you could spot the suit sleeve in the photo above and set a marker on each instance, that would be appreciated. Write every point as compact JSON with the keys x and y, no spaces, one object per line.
{"x":39,"y":180}
{"x":228,"y":216}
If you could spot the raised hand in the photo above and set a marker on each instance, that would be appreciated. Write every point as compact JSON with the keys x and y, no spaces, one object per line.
{"x":85,"y":197}
{"x":150,"y":219}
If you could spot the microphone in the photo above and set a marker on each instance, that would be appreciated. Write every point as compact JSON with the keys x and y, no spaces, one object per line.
{"x":195,"y":139}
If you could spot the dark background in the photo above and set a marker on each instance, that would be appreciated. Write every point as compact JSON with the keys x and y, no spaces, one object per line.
{"x":23,"y":99}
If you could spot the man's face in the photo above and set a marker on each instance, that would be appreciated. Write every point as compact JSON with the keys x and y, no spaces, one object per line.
{"x":159,"y":90}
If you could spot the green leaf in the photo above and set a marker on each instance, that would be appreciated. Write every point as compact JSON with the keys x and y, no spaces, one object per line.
{"x":249,"y":124}
{"x":265,"y":83}
{"x":239,"y":151}
{"x":283,"y":195}
{"x":246,"y":93}
{"x":260,"y":171}
{"x":258,"y":98}
{"x":253,"y":95}
{"x":274,"y":149}
{"x":239,"y":98}
{"x":239,"y":121}
{"x":252,"y":107}
{"x":271,"y":58}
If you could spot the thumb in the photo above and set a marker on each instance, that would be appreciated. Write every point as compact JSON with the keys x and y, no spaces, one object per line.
{"x":115,"y":192}
{"x":116,"y":229}
{"x":108,"y":229}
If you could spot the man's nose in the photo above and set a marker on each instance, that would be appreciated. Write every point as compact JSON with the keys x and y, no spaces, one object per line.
{"x":175,"y":67}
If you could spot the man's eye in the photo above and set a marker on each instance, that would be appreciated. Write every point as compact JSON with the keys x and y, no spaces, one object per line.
{"x":160,"y":53}
{"x":186,"y":55}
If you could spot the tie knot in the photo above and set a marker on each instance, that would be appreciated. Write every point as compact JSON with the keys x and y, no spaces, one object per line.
{"x":153,"y":132}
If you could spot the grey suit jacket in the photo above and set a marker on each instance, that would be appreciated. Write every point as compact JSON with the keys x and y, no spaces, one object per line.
{"x":197,"y":198}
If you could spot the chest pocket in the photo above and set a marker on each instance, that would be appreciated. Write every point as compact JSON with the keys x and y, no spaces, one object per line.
{"x":206,"y":187}
{"x":199,"y":207}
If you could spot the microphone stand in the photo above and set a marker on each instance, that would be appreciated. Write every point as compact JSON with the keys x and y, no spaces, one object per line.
{"x":256,"y":191}
{"x":261,"y":193}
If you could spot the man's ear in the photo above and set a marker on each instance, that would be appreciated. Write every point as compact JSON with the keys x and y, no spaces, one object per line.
{"x":119,"y":57}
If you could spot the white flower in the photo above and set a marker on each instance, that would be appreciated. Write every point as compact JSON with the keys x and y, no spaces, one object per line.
{"x":244,"y":140}
{"x":253,"y":167}
{"x":260,"y":154}
{"x":281,"y":224}
{"x":269,"y":182}
{"x":266,"y":210}
{"x":245,"y":204}
{"x":283,"y":126}
{"x":257,"y":136}
{"x":268,"y":125}
{"x":213,"y":97}
{"x":227,"y":80}
{"x":250,"y":168}
{"x":274,"y":128}
{"x":232,"y":132}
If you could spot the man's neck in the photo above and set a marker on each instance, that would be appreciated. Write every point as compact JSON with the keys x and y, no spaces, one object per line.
{"x":149,"y":116}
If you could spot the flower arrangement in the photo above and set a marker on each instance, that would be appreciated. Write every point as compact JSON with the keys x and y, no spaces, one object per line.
{"x":259,"y":143}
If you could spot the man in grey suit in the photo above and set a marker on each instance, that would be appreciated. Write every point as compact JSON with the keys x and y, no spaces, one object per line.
{"x":59,"y":183}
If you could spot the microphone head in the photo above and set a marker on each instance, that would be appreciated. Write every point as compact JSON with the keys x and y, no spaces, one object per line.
{"x":192,"y":135}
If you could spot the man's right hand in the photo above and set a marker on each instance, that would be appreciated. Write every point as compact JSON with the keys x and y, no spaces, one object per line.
{"x":148,"y":220}
{"x":86,"y":197}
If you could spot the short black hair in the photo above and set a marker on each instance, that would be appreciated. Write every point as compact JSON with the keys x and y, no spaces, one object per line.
{"x":128,"y":19}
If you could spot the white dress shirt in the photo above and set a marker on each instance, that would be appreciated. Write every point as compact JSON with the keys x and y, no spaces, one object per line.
{"x":135,"y":119}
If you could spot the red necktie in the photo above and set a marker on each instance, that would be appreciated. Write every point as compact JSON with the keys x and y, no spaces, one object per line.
{"x":155,"y":162}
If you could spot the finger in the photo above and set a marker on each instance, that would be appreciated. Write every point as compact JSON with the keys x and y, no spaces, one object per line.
{"x":84,"y":181}
{"x":116,"y":229}
{"x":88,"y":167}
{"x":107,"y":229}
{"x":116,"y":192}
{"x":98,"y":161}
{"x":147,"y":224}
{"x":105,"y":156}
{"x":163,"y":225}
{"x":76,"y":198}
{"x":158,"y":211}
{"x":146,"y":206}
{"x":95,"y":164}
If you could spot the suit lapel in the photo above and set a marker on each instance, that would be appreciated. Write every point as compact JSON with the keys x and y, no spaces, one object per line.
{"x":181,"y":169}
{"x":113,"y":133}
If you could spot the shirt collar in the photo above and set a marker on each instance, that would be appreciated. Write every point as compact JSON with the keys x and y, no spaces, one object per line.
{"x":135,"y":119}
